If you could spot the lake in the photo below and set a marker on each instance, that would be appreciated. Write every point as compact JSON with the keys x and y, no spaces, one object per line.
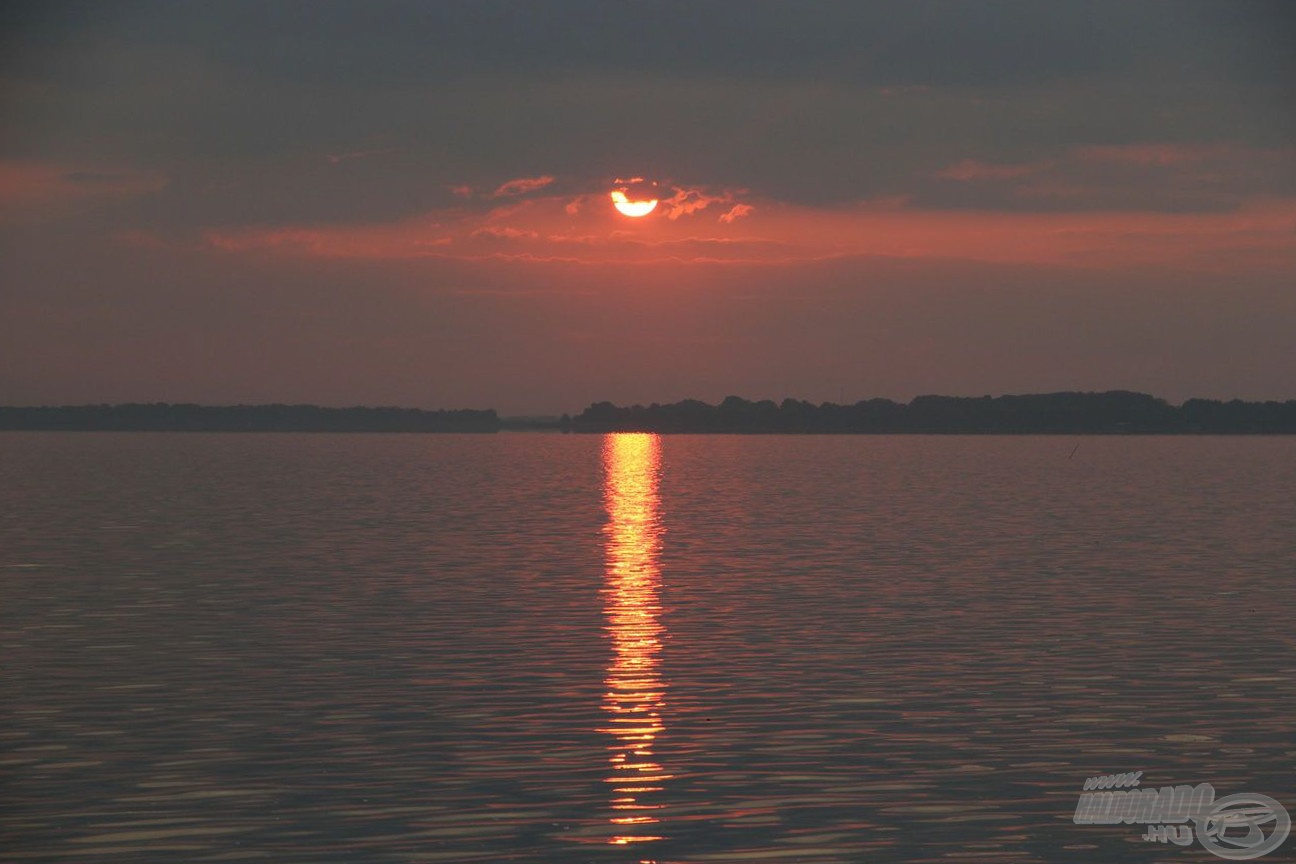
{"x":548,"y":648}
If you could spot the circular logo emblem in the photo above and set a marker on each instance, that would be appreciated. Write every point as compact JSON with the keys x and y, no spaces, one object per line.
{"x":1235,"y":827}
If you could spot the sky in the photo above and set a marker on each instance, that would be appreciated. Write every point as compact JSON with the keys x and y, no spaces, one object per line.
{"x":408,"y":203}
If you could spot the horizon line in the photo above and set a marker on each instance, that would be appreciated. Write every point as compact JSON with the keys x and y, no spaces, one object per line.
{"x":686,"y":399}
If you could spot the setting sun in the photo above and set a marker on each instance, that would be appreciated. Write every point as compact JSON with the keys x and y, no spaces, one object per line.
{"x":635,"y":196}
{"x":632,"y":208}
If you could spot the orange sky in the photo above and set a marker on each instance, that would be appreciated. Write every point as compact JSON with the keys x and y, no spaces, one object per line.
{"x":570,"y":219}
{"x":1259,"y":234}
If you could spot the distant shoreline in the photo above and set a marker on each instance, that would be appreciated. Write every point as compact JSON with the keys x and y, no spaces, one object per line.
{"x":1070,"y":413}
{"x":1109,"y":413}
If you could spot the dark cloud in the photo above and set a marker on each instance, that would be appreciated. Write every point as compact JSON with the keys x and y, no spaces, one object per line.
{"x":1161,"y":177}
{"x":940,"y":42}
{"x":846,"y":99}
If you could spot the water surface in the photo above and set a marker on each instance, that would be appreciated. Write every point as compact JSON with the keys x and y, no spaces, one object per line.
{"x":545,"y":648}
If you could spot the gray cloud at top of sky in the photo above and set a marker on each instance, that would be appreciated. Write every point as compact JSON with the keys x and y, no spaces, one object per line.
{"x":935,"y":42}
{"x":245,"y":106}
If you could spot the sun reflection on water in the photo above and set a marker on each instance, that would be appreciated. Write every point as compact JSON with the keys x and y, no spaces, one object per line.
{"x":635,"y":689}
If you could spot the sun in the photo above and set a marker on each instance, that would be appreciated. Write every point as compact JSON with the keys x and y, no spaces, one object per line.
{"x":635,"y":197}
{"x":632,"y":208}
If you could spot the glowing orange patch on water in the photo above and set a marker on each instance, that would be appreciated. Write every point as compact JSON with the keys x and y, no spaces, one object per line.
{"x":636,"y":692}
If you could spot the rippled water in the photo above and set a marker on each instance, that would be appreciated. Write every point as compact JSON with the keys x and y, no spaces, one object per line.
{"x":545,"y":648}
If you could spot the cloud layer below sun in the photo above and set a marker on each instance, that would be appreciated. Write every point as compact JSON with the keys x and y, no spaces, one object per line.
{"x":1204,"y":207}
{"x":539,"y":219}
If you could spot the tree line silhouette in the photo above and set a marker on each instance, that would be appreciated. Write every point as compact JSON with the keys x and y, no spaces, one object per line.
{"x":167,"y":417}
{"x":1112,"y":412}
